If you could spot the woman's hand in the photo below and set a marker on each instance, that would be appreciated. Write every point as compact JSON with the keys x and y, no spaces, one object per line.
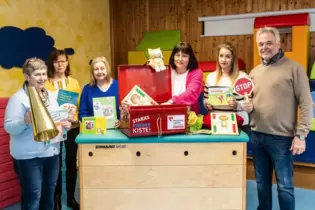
{"x":117,"y":124}
{"x":66,"y":124}
{"x":28,"y":118}
{"x":232,"y":103}
{"x":72,"y":120}
{"x":207,"y":105}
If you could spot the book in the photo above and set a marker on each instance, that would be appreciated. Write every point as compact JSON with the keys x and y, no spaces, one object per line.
{"x":219,"y":96}
{"x":58,"y":116}
{"x":68,"y":100}
{"x":93,"y":125}
{"x":137,"y":96}
{"x":224,"y":123}
{"x":202,"y":131}
{"x":106,"y":107}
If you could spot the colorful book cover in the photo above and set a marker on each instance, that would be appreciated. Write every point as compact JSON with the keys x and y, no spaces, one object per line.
{"x":93,"y":125}
{"x":224,"y":123}
{"x":137,"y":96}
{"x":68,"y":100}
{"x":106,"y":107}
{"x":58,"y":116}
{"x":219,"y":96}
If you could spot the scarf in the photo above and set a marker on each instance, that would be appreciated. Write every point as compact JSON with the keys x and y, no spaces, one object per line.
{"x":44,"y":97}
{"x":273,"y":59}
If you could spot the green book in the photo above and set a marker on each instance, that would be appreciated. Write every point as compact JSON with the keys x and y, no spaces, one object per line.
{"x":106,"y":107}
{"x":93,"y":125}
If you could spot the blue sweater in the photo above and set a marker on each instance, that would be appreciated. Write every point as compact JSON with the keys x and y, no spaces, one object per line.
{"x":88,"y":93}
{"x":22,"y":143}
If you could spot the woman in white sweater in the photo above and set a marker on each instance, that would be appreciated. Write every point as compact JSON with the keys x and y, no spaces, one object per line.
{"x":226,"y":74}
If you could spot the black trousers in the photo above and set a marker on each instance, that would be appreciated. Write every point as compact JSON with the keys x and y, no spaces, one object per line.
{"x":71,"y":165}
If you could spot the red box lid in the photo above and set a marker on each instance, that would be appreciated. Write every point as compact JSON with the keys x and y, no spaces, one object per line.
{"x":156,"y":84}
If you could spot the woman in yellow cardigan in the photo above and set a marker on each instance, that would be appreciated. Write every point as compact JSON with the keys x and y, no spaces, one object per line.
{"x":59,"y":78}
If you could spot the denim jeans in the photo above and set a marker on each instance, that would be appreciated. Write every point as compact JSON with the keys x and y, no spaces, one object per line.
{"x":38,"y":177}
{"x":271,"y":152}
{"x":16,"y":170}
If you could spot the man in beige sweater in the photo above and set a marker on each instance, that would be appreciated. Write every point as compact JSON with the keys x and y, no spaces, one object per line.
{"x":281,"y":86}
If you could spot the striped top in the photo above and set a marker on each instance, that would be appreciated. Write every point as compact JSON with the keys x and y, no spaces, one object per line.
{"x":60,"y":84}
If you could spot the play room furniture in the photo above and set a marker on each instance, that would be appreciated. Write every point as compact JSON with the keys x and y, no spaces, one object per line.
{"x":170,"y":172}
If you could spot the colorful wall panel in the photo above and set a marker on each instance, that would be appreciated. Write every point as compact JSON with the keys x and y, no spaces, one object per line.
{"x":81,"y":26}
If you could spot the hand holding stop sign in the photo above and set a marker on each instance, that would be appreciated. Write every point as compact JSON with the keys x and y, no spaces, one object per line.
{"x":244,"y":87}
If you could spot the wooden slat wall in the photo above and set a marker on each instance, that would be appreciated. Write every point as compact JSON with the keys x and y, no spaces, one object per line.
{"x":130,"y":19}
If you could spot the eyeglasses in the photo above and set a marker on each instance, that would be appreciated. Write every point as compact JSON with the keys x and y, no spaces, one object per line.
{"x":60,"y":62}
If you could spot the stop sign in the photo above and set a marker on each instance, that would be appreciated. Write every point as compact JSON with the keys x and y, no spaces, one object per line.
{"x":243,"y":86}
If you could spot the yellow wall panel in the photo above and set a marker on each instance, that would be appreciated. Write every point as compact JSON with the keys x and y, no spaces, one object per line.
{"x":78,"y":24}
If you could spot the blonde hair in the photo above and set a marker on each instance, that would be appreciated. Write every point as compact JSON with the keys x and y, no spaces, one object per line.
{"x":234,"y":72}
{"x":107,"y":66}
{"x":271,"y":30}
{"x":32,"y":64}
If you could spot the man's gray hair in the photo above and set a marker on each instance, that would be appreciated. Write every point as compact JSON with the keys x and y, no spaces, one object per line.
{"x":271,"y":30}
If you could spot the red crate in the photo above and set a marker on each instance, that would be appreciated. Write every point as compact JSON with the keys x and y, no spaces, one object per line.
{"x":149,"y":120}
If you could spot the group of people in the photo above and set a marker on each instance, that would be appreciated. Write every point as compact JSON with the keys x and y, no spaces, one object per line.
{"x":281,"y":86}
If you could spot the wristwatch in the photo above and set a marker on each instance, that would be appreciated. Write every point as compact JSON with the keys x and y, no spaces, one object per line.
{"x":300,"y":137}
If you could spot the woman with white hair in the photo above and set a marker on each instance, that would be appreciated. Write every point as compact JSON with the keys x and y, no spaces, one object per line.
{"x":37,"y":162}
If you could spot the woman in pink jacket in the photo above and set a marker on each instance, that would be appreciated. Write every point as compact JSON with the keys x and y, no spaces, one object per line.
{"x":186,"y":77}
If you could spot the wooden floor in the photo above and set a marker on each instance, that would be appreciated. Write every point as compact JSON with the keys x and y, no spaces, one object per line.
{"x":304,"y":176}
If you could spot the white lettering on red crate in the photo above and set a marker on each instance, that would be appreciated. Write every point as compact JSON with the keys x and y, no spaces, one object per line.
{"x":141,"y":125}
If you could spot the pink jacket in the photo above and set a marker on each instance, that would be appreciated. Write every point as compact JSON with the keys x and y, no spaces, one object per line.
{"x":190,"y":97}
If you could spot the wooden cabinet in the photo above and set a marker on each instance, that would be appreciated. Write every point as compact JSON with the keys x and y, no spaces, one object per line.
{"x":163,"y":176}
